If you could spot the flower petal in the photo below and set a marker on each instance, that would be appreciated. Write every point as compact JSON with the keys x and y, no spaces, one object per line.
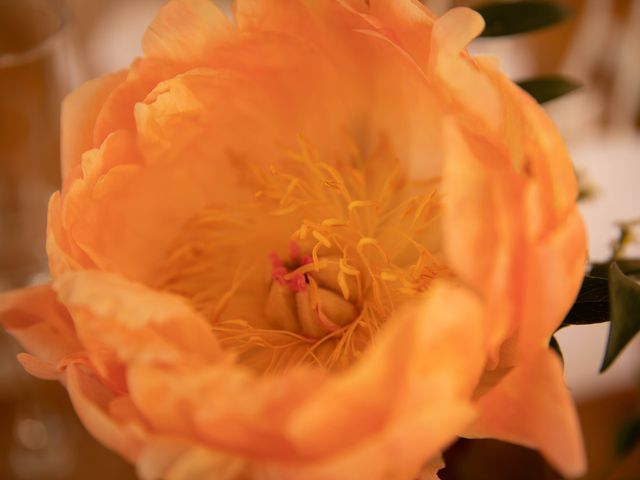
{"x":91,"y":401}
{"x":396,"y":453}
{"x":40,"y":323}
{"x":80,"y":111}
{"x":428,"y":361}
{"x":186,"y":31}
{"x":118,"y":317}
{"x":532,"y":407}
{"x":39,"y":368}
{"x":555,"y":272}
{"x":223,"y":404}
{"x":484,"y":232}
{"x":458,"y":76}
{"x":202,"y":463}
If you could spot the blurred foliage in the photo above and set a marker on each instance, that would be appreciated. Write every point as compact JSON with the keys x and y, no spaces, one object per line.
{"x":611,"y":292}
{"x":628,"y":437}
{"x":624,"y":300}
{"x":519,"y":17}
{"x":547,"y":88}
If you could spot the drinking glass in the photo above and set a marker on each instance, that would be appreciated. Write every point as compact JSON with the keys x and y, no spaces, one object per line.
{"x":34,"y":76}
{"x":34,"y":440}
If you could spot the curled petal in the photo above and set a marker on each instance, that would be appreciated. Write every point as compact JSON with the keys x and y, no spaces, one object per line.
{"x":397,"y":452}
{"x":224,"y":405}
{"x":39,"y":368}
{"x":80,"y":111}
{"x":411,"y":373}
{"x":531,"y":406}
{"x":133,"y":322}
{"x":460,"y":78}
{"x":483,"y":226}
{"x":555,"y":271}
{"x":91,"y":401}
{"x":41,"y":324}
{"x":456,"y":29}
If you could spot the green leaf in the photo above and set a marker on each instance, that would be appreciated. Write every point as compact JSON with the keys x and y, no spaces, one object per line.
{"x":628,"y":266}
{"x":547,"y":88}
{"x":592,"y":304}
{"x":519,"y":17}
{"x":624,"y":297}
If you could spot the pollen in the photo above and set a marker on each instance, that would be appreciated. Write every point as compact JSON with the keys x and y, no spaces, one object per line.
{"x":313,"y":264}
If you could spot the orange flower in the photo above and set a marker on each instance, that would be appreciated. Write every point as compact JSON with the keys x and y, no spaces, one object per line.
{"x":319,"y":243}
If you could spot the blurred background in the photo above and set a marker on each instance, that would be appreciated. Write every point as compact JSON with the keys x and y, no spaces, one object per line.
{"x":48,"y":47}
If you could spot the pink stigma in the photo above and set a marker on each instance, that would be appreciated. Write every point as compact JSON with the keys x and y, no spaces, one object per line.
{"x":297,"y":283}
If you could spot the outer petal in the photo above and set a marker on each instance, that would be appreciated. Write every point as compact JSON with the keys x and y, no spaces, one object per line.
{"x":122,"y":217}
{"x":80,"y":110}
{"x":186,"y":31}
{"x":405,"y":23}
{"x":531,"y":406}
{"x":62,"y":250}
{"x":41,"y":324}
{"x":484,"y":231}
{"x":183,"y":35}
{"x":415,"y":383}
{"x":117,"y":111}
{"x":512,"y":197}
{"x":166,"y":453}
{"x":224,"y":405}
{"x":555,"y":272}
{"x":202,"y":463}
{"x":397,"y":453}
{"x":91,"y":400}
{"x":129,"y":322}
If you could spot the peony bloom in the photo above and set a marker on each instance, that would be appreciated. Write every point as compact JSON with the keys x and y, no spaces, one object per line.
{"x":318,"y":243}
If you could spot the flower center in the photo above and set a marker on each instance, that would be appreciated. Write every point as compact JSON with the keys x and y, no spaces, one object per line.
{"x":310,"y":268}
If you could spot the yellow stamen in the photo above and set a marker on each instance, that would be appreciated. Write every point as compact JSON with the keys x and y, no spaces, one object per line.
{"x":360,"y":252}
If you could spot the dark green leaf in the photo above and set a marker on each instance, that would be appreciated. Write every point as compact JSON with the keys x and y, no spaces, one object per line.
{"x":554,"y":345}
{"x":592,"y":304}
{"x":630,"y":267}
{"x":547,"y":88}
{"x":624,"y":297}
{"x":519,"y":17}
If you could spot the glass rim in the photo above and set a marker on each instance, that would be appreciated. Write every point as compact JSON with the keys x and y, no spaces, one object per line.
{"x":37,"y":51}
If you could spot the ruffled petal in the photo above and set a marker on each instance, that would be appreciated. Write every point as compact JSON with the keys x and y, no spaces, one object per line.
{"x":91,"y":401}
{"x":186,"y":31}
{"x":420,"y":373}
{"x":532,"y":407}
{"x":41,"y":325}
{"x":129,"y":322}
{"x":396,"y":453}
{"x":483,"y":227}
{"x":536,"y":150}
{"x":227,"y":407}
{"x":370,"y":53}
{"x":117,"y":111}
{"x":406,"y":24}
{"x":80,"y":111}
{"x":555,"y":271}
